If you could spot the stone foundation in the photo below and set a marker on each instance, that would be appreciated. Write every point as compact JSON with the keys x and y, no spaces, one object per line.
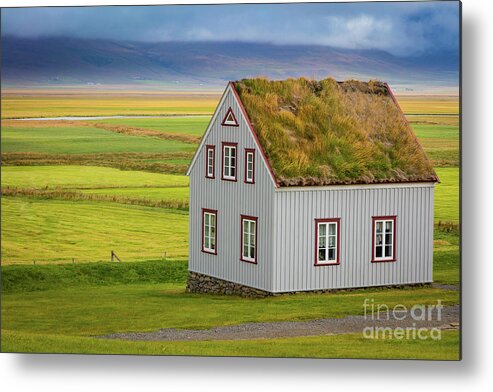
{"x":200,"y":283}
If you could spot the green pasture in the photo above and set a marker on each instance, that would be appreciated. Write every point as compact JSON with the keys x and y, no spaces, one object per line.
{"x":436,"y":131}
{"x":447,"y":195}
{"x":86,"y":177}
{"x":335,"y":346}
{"x":55,"y":231}
{"x":188,"y":125}
{"x":49,"y":308}
{"x":83,"y":140}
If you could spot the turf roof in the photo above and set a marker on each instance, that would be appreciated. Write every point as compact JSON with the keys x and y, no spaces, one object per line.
{"x":327,"y":132}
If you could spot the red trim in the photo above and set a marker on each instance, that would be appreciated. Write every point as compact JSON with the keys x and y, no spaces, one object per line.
{"x":235,"y":145}
{"x":207,"y":148}
{"x":247,"y":151}
{"x":230,"y":111}
{"x":394,"y":253}
{"x":206,"y":210}
{"x":338,"y":257}
{"x":255,"y":219}
{"x":254,"y":134}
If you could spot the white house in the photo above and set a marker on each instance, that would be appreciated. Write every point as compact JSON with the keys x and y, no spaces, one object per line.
{"x":304,"y":185}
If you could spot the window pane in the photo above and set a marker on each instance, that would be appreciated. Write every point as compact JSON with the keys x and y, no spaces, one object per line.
{"x":332,"y":229}
{"x":388,"y":251}
{"x":206,"y":243}
{"x":322,"y":242}
{"x":388,"y":239}
{"x":245,"y":250}
{"x":388,"y":226}
{"x":233,"y":152}
{"x":379,"y":226}
{"x":321,"y":255}
{"x":378,"y":251}
{"x":232,"y":171}
{"x":332,"y":241}
{"x":379,"y":239}
{"x":252,"y":252}
{"x":332,"y":254}
{"x":322,"y":229}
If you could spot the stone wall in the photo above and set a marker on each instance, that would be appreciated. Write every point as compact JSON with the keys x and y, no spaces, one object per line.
{"x":200,"y":283}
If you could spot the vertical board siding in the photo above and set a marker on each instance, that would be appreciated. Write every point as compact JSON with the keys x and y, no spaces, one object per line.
{"x":295,"y":212}
{"x":232,"y":199}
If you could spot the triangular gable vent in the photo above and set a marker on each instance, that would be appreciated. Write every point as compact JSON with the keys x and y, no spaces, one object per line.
{"x":230,"y":119}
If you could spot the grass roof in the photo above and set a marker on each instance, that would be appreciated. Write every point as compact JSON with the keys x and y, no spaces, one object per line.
{"x":327,"y":132}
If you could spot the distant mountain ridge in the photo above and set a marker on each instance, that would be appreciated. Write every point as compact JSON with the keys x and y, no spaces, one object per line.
{"x":71,"y":61}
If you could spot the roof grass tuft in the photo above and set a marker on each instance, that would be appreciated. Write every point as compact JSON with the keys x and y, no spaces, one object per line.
{"x":327,"y":132}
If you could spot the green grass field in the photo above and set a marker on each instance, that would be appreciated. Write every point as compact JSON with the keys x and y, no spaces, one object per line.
{"x":85,"y":177}
{"x":193,"y":126}
{"x":83,"y":140}
{"x":50,"y":306}
{"x":336,"y":346}
{"x":63,"y":316}
{"x":55,"y":231}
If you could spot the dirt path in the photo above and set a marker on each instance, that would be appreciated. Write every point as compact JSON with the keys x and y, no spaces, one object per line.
{"x":350,"y":324}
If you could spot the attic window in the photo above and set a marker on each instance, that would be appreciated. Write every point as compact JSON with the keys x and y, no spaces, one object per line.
{"x":230,"y":119}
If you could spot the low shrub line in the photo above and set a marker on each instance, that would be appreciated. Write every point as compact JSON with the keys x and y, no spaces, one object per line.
{"x":60,"y":194}
{"x":124,"y":161}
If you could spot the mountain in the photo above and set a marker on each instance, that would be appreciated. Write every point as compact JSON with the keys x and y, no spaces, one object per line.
{"x":72,"y":61}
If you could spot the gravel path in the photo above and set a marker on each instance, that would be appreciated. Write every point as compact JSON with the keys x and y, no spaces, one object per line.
{"x":349,"y":324}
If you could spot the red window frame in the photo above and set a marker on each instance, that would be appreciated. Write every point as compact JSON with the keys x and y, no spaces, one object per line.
{"x":254,"y":219}
{"x":230,"y":111}
{"x":245,"y":179}
{"x":373,"y":232}
{"x":317,"y":263}
{"x":208,"y":148}
{"x":214,"y":212}
{"x":229,"y":144}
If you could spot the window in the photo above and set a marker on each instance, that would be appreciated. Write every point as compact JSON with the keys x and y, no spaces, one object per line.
{"x":230,"y":119}
{"x":210,"y":158}
{"x":249,"y":166}
{"x":249,"y":239}
{"x":229,"y":161}
{"x":384,"y":238}
{"x":327,"y":241}
{"x":209,"y":231}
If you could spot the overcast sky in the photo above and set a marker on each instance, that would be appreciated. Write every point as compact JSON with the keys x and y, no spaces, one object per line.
{"x":399,"y":28}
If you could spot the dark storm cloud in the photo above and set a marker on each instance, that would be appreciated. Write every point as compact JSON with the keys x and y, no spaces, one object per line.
{"x":400,"y":28}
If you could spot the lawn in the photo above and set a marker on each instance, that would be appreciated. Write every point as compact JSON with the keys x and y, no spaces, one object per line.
{"x":65,"y":317}
{"x":83,"y":140}
{"x":48,"y":104}
{"x":84,"y":177}
{"x":192,"y":125}
{"x":336,"y":346}
{"x":447,"y":195}
{"x":55,"y":231}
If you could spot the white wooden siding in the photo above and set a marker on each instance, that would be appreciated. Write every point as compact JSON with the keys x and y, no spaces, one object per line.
{"x":232,"y":199}
{"x":294,"y":237}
